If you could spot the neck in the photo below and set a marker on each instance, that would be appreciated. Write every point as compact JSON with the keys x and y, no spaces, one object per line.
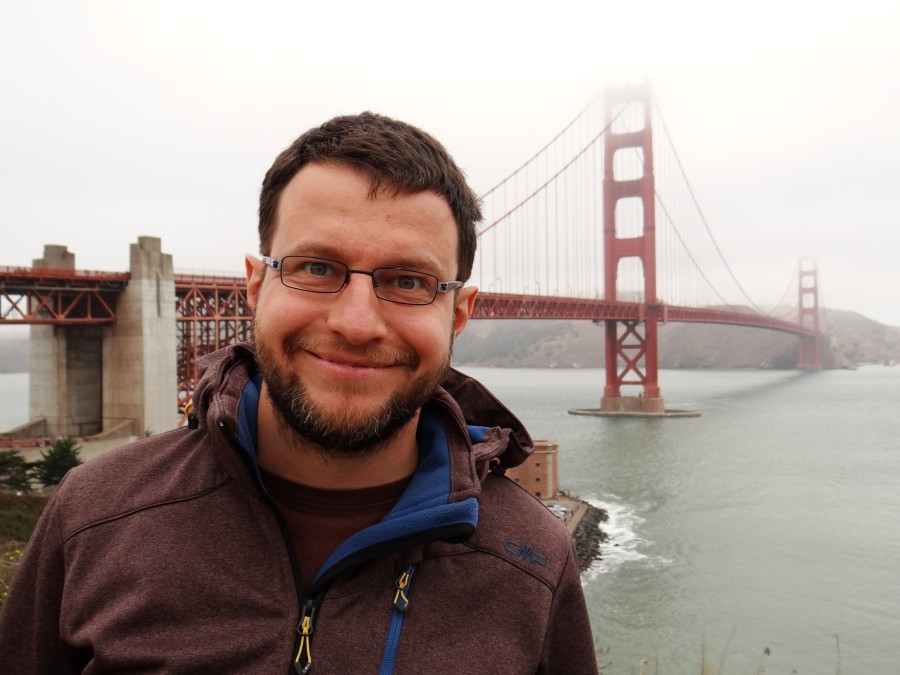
{"x":281,"y":451}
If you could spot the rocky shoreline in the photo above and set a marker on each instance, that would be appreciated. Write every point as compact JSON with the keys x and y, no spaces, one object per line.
{"x":588,"y":536}
{"x":584,"y":522}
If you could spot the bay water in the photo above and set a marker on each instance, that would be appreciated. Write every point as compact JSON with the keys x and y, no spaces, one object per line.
{"x":761,"y":536}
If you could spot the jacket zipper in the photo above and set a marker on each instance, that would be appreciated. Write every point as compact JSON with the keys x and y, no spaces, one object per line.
{"x":401,"y":605}
{"x":306,"y":606}
{"x":303,"y":660}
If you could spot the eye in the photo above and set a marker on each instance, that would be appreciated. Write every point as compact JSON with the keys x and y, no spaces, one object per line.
{"x":408,"y":282}
{"x":316,"y":268}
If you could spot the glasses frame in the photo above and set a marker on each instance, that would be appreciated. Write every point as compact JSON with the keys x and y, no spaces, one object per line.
{"x":440,"y":286}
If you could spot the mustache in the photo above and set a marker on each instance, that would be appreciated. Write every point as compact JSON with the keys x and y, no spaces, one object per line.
{"x":332,"y":345}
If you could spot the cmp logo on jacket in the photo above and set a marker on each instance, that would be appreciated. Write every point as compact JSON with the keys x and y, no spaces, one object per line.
{"x":525,"y":552}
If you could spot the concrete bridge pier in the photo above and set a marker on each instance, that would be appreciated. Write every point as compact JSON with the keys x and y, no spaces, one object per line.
{"x":139,"y":349}
{"x":118,"y":378}
{"x":64,"y":364}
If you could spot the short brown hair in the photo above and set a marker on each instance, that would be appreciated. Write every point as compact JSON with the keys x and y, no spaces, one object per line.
{"x":394,"y":155}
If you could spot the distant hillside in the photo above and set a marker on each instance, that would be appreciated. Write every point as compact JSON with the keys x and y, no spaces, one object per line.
{"x":524,"y":343}
{"x":854,"y":340}
{"x":14,"y":355}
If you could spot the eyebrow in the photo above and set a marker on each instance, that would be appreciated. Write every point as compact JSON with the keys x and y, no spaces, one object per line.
{"x":420,"y":264}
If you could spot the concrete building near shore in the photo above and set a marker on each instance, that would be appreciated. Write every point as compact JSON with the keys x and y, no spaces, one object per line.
{"x":539,"y":473}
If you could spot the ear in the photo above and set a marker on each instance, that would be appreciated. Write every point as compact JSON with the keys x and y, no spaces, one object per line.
{"x":256,"y":269}
{"x":462,"y":311}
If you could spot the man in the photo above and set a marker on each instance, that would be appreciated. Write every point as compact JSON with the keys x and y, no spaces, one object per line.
{"x":339,"y":506}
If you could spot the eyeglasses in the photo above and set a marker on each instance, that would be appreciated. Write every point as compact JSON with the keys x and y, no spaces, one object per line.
{"x":392,"y":284}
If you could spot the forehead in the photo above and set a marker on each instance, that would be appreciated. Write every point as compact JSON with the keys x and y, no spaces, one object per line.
{"x":331,"y":209}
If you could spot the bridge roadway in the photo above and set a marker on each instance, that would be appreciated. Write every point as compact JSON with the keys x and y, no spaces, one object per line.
{"x":50,"y":296}
{"x":512,"y":306}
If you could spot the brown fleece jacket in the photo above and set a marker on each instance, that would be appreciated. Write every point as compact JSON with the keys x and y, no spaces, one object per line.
{"x":166,"y":556}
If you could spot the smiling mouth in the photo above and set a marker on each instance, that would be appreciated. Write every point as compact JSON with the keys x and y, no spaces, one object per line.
{"x":344,"y":362}
{"x":337,"y":354}
{"x":340,"y":355}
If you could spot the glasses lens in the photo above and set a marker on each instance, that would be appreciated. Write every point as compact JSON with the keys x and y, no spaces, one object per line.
{"x":313,"y":274}
{"x":407,"y":287}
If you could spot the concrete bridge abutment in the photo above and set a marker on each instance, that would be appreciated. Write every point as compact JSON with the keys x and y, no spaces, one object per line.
{"x":120,"y":377}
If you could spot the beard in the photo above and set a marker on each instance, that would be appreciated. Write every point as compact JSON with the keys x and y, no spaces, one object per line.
{"x":344,"y":432}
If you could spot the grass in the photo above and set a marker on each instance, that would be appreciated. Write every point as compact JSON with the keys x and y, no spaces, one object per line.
{"x":18,"y":516}
{"x":651,"y":666}
{"x":10,"y":552}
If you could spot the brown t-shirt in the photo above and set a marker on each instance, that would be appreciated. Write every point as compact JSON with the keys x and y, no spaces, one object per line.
{"x":321,"y":520}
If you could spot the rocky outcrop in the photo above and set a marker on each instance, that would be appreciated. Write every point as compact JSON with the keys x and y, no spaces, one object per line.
{"x":589,"y":535}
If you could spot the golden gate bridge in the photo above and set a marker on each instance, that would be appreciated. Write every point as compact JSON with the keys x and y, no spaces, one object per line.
{"x":600,"y":224}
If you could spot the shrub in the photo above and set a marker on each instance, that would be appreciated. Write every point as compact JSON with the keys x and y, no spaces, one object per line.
{"x":15,"y":472}
{"x":56,"y":462}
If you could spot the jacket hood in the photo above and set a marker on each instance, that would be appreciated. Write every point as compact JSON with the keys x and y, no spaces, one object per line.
{"x":480,"y":408}
{"x":493,"y":430}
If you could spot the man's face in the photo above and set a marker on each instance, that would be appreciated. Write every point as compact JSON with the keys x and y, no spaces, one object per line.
{"x":347,"y":370}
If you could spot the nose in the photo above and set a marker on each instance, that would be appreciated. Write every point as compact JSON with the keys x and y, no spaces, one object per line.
{"x":356,"y":312}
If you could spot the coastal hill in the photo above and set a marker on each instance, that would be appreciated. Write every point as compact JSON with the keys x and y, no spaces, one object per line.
{"x":528,"y":343}
{"x":854,"y":340}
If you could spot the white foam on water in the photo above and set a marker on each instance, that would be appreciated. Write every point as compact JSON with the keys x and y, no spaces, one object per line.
{"x":624,"y":545}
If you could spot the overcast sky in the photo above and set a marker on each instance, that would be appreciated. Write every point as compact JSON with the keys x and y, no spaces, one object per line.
{"x":122,"y":119}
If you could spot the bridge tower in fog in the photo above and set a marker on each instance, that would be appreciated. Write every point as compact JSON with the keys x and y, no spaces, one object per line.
{"x":110,"y":374}
{"x":632,"y":345}
{"x":810,"y":353}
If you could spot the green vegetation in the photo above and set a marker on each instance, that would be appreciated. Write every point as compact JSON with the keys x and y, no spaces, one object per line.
{"x":19,"y":476}
{"x":20,"y":507}
{"x":9,"y":558}
{"x":56,"y":462}
{"x":19,"y":514}
{"x":707,"y":667}
{"x":15,"y":472}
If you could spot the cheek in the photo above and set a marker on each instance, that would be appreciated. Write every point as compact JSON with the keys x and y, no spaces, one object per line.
{"x":283,"y":310}
{"x":430,"y":337}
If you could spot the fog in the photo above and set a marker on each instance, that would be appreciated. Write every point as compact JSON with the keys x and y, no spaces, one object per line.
{"x":123,"y":119}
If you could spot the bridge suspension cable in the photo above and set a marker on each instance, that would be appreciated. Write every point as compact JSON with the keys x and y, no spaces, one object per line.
{"x":547,"y":182}
{"x":696,"y":203}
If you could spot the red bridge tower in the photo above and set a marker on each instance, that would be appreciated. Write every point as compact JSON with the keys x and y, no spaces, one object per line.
{"x":631,"y":345}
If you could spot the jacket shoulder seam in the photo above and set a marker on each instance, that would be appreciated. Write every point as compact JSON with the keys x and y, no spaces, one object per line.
{"x":144,"y":507}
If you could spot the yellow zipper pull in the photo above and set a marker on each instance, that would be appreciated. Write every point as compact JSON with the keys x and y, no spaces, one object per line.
{"x":303,"y":661}
{"x":401,"y":600}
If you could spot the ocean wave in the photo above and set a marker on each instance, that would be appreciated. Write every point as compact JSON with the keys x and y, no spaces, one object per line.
{"x":624,"y":544}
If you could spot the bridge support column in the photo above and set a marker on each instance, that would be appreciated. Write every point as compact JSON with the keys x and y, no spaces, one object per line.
{"x":65,"y":365}
{"x":120,"y":378}
{"x":810,"y":352}
{"x":139,"y":352}
{"x":631,"y":346}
